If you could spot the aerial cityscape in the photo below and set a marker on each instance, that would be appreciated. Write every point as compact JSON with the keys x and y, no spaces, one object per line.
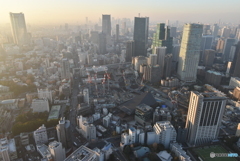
{"x":110,"y":81}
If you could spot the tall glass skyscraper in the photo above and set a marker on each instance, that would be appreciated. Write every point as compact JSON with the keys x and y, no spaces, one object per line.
{"x":140,"y":36}
{"x":106,"y":24}
{"x":162,"y":38}
{"x":190,"y":52}
{"x":19,"y":29}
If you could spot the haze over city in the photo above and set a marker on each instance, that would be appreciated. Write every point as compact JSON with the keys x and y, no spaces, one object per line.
{"x":75,"y":11}
{"x":115,"y":80}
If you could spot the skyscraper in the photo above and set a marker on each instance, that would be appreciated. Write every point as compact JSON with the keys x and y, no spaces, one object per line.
{"x":117,"y":32}
{"x":234,"y":70}
{"x":106,"y":24}
{"x":162,"y":38}
{"x":140,"y":36}
{"x":215,"y":30}
{"x":65,"y":69}
{"x":129,"y":50}
{"x":227,"y":47}
{"x":190,"y":52}
{"x":102,"y":43}
{"x":204,"y":117}
{"x":19,"y":29}
{"x":63,"y":132}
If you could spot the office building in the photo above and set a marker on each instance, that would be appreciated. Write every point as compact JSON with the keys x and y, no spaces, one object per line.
{"x":165,"y":133}
{"x":143,"y":114}
{"x":234,"y":70}
{"x":208,"y":57}
{"x":173,"y":32}
{"x":204,"y":117}
{"x":24,"y":138}
{"x":206,"y":30}
{"x":206,"y":42}
{"x":129,"y":50}
{"x":139,"y":60}
{"x":177,"y":149}
{"x":215,"y":30}
{"x":213,"y":78}
{"x":225,"y":32}
{"x":84,"y":154}
{"x":236,"y":93}
{"x":40,"y":135}
{"x":175,"y":52}
{"x":19,"y":29}
{"x":189,"y":52}
{"x":57,"y":151}
{"x":106,"y":24}
{"x":151,"y":73}
{"x":63,"y":133}
{"x":152,"y":59}
{"x":132,"y":135}
{"x":65,"y":69}
{"x":234,"y":82}
{"x":117,"y":33}
{"x":86,"y":95}
{"x":94,"y":37}
{"x":8,"y":149}
{"x":238,"y":130}
{"x":40,"y":105}
{"x":232,"y":53}
{"x":86,"y":129}
{"x":102,"y":43}
{"x":162,"y":38}
{"x":45,"y":93}
{"x":44,"y":152}
{"x":220,"y":45}
{"x":161,"y":53}
{"x":167,"y":65}
{"x":140,"y":36}
{"x":227,"y":48}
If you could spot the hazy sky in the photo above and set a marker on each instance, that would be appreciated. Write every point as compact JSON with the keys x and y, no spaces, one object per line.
{"x":75,"y":11}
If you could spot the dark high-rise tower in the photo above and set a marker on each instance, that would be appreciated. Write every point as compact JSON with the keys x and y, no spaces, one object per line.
{"x":234,"y":70}
{"x":129,"y":50}
{"x":140,"y":36}
{"x":117,"y":32}
{"x":162,"y":38}
{"x":102,"y":43}
{"x":106,"y":24}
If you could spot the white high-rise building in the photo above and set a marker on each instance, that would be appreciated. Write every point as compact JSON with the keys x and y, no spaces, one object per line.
{"x":165,"y":133}
{"x":40,"y":135}
{"x":19,"y":29}
{"x":204,"y":117}
{"x":125,"y":139}
{"x":65,"y":69}
{"x":190,"y":52}
{"x":57,"y":151}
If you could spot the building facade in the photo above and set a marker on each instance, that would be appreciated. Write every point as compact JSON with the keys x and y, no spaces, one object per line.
{"x":189,"y":52}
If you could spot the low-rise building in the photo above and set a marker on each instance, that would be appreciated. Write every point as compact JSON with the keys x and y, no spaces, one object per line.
{"x":40,"y":105}
{"x":179,"y":152}
{"x":84,"y":154}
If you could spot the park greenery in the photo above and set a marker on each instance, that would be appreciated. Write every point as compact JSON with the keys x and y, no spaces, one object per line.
{"x":29,"y":122}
